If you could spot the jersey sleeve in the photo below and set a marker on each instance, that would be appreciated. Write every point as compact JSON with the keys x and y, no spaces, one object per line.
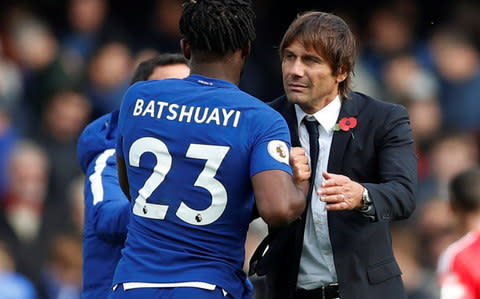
{"x":271,"y":148}
{"x":110,"y":206}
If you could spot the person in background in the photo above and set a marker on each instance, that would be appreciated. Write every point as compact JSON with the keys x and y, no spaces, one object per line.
{"x":364,"y":173}
{"x":107,"y":210}
{"x":13,"y":285}
{"x":165,"y":65}
{"x":449,"y":153}
{"x":434,"y":225}
{"x":459,"y":82}
{"x":64,"y":117}
{"x":194,"y":156}
{"x":459,"y":265}
{"x":25,"y":225}
{"x":62,"y":270}
{"x":108,"y":76}
{"x":420,"y":281}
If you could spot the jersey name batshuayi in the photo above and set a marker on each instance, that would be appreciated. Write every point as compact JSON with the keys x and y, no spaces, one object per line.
{"x":190,"y":147}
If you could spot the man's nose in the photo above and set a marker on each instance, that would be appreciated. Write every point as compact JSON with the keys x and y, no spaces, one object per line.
{"x":297,"y":68}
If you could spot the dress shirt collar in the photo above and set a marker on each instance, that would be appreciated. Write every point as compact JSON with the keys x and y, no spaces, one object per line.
{"x":326,"y":117}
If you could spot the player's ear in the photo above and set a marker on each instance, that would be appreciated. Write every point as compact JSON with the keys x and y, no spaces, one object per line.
{"x":185,"y":48}
{"x":246,"y":49}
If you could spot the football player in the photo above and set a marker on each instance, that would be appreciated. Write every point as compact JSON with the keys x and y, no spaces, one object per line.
{"x":192,"y":155}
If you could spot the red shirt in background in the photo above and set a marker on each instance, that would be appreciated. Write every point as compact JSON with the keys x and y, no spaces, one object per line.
{"x":459,"y":269}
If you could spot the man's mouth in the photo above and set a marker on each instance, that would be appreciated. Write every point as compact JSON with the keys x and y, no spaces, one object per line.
{"x":296,"y":86}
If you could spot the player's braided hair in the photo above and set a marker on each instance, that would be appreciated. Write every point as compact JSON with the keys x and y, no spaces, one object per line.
{"x":217,"y":26}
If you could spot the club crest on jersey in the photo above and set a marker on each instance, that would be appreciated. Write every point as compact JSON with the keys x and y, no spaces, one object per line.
{"x":278,"y":149}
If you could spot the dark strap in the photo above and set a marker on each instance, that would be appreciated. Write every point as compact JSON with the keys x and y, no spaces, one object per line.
{"x":257,"y":255}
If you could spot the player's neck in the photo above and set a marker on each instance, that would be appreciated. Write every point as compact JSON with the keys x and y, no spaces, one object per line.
{"x":473,"y":222}
{"x":468,"y":222}
{"x":226,"y":68}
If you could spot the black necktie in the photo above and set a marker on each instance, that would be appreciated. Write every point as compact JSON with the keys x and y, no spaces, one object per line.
{"x":312,"y":128}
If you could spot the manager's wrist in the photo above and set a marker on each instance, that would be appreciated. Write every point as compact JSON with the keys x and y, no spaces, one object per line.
{"x":367,"y":203}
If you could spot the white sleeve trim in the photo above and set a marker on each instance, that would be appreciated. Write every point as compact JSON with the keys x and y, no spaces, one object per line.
{"x":96,"y":177}
{"x":192,"y":284}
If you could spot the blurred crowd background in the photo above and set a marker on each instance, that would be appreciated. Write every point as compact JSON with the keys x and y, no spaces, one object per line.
{"x":64,"y":63}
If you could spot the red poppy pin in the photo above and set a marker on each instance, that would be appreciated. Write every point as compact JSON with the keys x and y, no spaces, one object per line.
{"x":345,"y":124}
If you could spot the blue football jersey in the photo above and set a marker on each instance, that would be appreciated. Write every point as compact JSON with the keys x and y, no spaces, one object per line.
{"x":107,"y":209}
{"x":191,"y":147}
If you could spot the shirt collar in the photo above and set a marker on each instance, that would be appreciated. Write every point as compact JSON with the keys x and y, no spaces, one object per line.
{"x":208,"y":81}
{"x":326,"y":117}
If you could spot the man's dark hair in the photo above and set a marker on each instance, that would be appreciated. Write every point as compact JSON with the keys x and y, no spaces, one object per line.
{"x":330,"y":36}
{"x":465,"y":191}
{"x":146,"y":68}
{"x":217,"y":26}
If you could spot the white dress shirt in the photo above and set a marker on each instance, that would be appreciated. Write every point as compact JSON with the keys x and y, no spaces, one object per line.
{"x":316,"y":264}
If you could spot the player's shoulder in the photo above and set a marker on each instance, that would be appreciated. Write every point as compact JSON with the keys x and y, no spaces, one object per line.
{"x":97,"y":136}
{"x":152,"y":83}
{"x":261,"y":106}
{"x":138,"y":85}
{"x":460,"y":251}
{"x":269,"y":117}
{"x":151,"y":86}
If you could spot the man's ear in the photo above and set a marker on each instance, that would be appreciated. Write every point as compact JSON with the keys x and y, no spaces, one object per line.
{"x":342,"y":75}
{"x":185,"y":49}
{"x":246,"y":49}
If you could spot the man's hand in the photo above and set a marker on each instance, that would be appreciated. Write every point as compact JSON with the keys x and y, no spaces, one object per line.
{"x":300,"y":167}
{"x":340,"y":192}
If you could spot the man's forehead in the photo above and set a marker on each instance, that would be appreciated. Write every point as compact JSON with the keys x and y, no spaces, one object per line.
{"x":304,"y":48}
